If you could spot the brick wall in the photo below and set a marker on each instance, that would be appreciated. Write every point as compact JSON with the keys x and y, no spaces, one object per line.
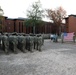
{"x":71,"y":23}
{"x":17,"y":25}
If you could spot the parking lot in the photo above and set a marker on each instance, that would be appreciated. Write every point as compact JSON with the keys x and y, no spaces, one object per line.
{"x":54,"y":59}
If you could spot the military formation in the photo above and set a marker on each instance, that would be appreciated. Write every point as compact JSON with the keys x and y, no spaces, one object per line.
{"x":20,"y":41}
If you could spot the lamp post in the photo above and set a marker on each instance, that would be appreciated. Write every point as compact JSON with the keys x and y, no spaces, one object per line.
{"x":1,"y":16}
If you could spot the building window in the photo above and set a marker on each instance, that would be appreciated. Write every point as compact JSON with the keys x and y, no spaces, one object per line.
{"x":22,"y":26}
{"x":19,"y":27}
{"x":9,"y":22}
{"x":0,"y":22}
{"x":14,"y":27}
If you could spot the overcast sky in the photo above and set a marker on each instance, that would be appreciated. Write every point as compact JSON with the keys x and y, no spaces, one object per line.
{"x":16,"y":8}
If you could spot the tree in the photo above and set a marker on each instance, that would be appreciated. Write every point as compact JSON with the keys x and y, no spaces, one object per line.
{"x":56,"y":15}
{"x":34,"y":15}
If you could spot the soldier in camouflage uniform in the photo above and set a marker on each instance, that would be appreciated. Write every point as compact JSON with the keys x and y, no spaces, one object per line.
{"x":29,"y":43}
{"x":22,"y":43}
{"x":74,"y":36}
{"x":39,"y":43}
{"x":62,"y":37}
{"x":5,"y":43}
{"x":35,"y":42}
{"x":42,"y":39}
{"x":0,"y":41}
{"x":13,"y":40}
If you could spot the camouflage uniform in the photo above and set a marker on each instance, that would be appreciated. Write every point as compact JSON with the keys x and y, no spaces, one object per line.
{"x":29,"y":43}
{"x":35,"y":42}
{"x":22,"y":43}
{"x":74,"y":38}
{"x":0,"y":41}
{"x":5,"y":43}
{"x":62,"y":37}
{"x":13,"y":40}
{"x":39,"y":43}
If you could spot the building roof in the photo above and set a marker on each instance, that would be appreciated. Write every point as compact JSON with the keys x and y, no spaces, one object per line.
{"x":72,"y":15}
{"x":69,"y":16}
{"x":19,"y":18}
{"x":10,"y":18}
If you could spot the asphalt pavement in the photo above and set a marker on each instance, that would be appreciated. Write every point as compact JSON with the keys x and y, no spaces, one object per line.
{"x":54,"y":59}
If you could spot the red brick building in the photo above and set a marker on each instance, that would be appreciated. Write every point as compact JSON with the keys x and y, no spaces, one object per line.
{"x":13,"y":25}
{"x":70,"y":23}
{"x":17,"y":25}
